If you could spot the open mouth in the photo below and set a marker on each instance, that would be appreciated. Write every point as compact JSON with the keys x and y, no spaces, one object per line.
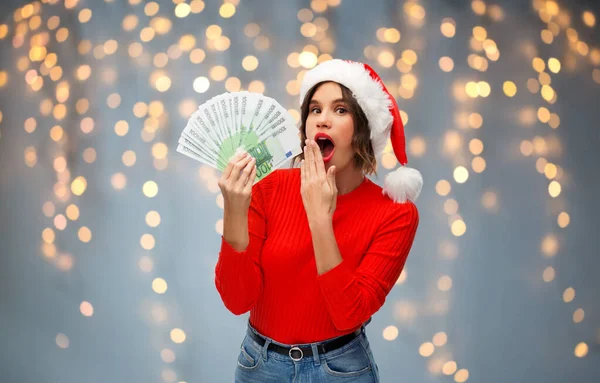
{"x":326,"y":145}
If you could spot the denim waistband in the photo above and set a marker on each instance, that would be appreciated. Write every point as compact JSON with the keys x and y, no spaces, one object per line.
{"x":252,"y":329}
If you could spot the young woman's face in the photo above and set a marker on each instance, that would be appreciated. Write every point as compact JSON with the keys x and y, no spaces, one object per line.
{"x":330,"y":125}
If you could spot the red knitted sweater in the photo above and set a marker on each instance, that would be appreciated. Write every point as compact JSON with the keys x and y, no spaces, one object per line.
{"x":276,"y":276}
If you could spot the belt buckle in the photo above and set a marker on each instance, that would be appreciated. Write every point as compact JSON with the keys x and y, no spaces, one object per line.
{"x":298,"y":349}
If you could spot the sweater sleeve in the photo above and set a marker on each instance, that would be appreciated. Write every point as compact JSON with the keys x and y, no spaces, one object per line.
{"x":238,"y":274}
{"x":353,"y":295}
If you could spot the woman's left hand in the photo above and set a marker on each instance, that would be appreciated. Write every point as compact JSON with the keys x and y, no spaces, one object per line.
{"x":318,"y":188}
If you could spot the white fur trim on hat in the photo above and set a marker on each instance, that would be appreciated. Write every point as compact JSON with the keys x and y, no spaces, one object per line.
{"x":403,"y":184}
{"x":369,"y":94}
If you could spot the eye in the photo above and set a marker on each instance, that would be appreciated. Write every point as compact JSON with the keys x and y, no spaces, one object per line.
{"x":315,"y":110}
{"x":341,"y":110}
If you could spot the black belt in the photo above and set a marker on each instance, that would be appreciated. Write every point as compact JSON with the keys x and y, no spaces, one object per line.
{"x":297,"y":353}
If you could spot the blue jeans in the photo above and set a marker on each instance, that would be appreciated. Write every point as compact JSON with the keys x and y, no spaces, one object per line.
{"x":353,"y":362}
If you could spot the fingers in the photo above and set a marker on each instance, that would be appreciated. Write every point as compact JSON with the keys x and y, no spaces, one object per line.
{"x":234,"y":160}
{"x":308,"y":160}
{"x":245,"y":172}
{"x":302,"y":174}
{"x":319,"y":165}
{"x":250,"y":183}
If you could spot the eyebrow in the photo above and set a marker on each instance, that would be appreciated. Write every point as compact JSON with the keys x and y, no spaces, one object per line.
{"x":313,"y":101}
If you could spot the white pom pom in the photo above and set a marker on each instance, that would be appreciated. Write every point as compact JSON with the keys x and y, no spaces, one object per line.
{"x":403,"y":184}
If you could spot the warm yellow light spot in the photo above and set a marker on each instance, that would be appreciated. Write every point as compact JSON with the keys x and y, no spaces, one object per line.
{"x":548,"y":274}
{"x":589,"y":19}
{"x":72,"y":212}
{"x":581,"y":350}
{"x":538,"y":65}
{"x":118,"y":181}
{"x":128,"y":158}
{"x":197,"y":56}
{"x":461,"y":174}
{"x":84,"y":234}
{"x":549,"y":246}
{"x":213,"y":32}
{"x":547,"y":36}
{"x":390,"y":333}
{"x":554,"y":121}
{"x":60,"y":222}
{"x":578,"y":315}
{"x":153,"y":218}
{"x":62,"y":341}
{"x":446,"y":64}
{"x":182,"y":10}
{"x":3,"y":31}
{"x":478,"y":7}
{"x":550,"y":170}
{"x":308,"y":59}
{"x":159,"y":285}
{"x":218,"y":73}
{"x":510,"y":89}
{"x":569,"y":294}
{"x":478,"y":164}
{"x":129,"y":23}
{"x":113,"y":101}
{"x":232,"y":84}
{"x":458,"y":228}
{"x":563,"y":219}
{"x":147,"y":34}
{"x":417,"y":146}
{"x":386,"y":59}
{"x":168,"y":356}
{"x":392,"y":35}
{"x":554,"y":65}
{"x":227,"y":10}
{"x":548,"y":94}
{"x":86,"y":309}
{"x":440,"y":339}
{"x":480,"y":33}
{"x":443,"y":187}
{"x":250,"y":63}
{"x":121,"y":128}
{"x":79,"y":185}
{"x":444,"y":283}
{"x":89,"y":155}
{"x":426,"y":349}
{"x":471,"y":89}
{"x":178,"y":335}
{"x":448,"y":27}
{"x":388,"y":160}
{"x":85,"y":15}
{"x":135,"y":49}
{"x":147,"y":242}
{"x":543,"y":114}
{"x":554,"y":189}
{"x":48,"y":235}
{"x":449,"y":367}
{"x":150,"y":189}
{"x":451,"y":206}
{"x":256,"y":86}
{"x":461,"y":375}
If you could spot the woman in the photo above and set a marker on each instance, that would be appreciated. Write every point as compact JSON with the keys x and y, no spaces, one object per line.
{"x":312,"y":252}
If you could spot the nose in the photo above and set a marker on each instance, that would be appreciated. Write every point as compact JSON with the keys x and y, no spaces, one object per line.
{"x":323,"y":121}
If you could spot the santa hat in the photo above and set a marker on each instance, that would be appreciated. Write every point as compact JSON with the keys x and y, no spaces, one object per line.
{"x":403,"y":184}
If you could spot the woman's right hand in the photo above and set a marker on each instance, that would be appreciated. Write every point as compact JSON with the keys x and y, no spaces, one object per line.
{"x":236,"y":183}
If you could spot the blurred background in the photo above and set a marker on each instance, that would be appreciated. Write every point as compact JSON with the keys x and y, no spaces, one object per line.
{"x":109,"y":237}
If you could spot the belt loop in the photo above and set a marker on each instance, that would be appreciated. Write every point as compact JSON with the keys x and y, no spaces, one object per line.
{"x":315,"y":351}
{"x":265,"y":348}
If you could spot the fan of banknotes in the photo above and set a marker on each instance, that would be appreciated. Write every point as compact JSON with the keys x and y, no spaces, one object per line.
{"x":231,"y":122}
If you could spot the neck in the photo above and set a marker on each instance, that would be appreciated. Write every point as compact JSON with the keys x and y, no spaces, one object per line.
{"x":348,"y":179}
